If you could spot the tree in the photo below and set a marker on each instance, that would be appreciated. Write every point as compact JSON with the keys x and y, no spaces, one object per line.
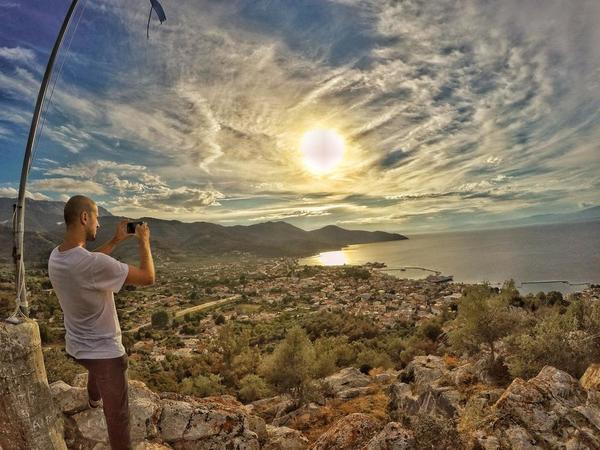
{"x":160,"y":319}
{"x":290,"y":368}
{"x":484,"y":317}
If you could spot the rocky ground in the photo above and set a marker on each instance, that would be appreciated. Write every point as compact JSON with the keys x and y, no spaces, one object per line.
{"x":435,"y":402}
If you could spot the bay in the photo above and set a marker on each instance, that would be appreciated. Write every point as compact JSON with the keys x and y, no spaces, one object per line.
{"x":560,"y":257}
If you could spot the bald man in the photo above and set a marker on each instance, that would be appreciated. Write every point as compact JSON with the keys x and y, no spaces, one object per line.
{"x":84,"y":283}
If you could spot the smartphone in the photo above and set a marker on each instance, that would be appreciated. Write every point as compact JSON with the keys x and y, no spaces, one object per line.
{"x":131,"y":226}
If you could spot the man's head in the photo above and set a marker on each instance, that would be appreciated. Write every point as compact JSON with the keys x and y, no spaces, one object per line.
{"x":81,"y":216}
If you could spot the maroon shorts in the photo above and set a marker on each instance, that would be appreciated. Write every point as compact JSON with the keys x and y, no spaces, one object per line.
{"x":107,"y":380}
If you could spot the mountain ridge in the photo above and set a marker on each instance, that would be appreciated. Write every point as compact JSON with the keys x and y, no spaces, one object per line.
{"x":178,"y":240}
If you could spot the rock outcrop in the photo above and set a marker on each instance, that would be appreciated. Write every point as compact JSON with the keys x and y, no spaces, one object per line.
{"x":429,"y":389}
{"x":171,"y":420}
{"x":28,"y":417}
{"x":350,"y":432}
{"x":349,"y":383}
{"x":551,"y":410}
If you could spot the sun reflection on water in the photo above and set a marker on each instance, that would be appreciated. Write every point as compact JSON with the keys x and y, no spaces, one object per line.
{"x":336,"y":258}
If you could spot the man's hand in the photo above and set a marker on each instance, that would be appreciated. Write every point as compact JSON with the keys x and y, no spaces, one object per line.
{"x":121,"y":234}
{"x":142,"y":232}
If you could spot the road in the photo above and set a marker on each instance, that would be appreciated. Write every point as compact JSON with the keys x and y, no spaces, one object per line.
{"x":192,"y":309}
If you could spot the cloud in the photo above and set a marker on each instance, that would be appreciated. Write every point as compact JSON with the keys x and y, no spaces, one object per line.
{"x":448,"y":109}
{"x":17,"y":54}
{"x":68,"y":185}
{"x":14,"y":193}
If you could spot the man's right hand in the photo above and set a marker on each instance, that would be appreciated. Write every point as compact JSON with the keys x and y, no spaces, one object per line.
{"x":142,"y":232}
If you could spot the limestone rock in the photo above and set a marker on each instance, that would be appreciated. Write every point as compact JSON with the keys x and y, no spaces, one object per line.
{"x":387,"y":377}
{"x":591,"y":378}
{"x":70,"y":400}
{"x":216,"y":421}
{"x":393,"y":437}
{"x":174,"y":419}
{"x":143,"y":411}
{"x":269,"y":408}
{"x":441,"y":401}
{"x":347,"y":378}
{"x":348,"y":433}
{"x":356,"y":392}
{"x":307,"y":414}
{"x":28,"y":416}
{"x":426,"y":370}
{"x":550,"y":410}
{"x":258,"y":425}
{"x":80,"y":380}
{"x":284,"y":438}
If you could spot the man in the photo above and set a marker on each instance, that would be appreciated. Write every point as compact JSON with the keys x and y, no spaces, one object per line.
{"x":84,"y":283}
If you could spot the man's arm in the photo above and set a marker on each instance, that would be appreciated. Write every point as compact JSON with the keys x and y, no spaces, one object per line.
{"x":144,"y":275}
{"x":120,"y":235}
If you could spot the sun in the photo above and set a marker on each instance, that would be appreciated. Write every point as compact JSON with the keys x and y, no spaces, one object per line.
{"x":322,"y":149}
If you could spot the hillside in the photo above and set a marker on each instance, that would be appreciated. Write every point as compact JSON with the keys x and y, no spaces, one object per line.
{"x":179,"y":241}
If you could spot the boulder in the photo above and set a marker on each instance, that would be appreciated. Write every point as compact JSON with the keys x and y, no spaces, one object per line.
{"x":441,"y":401}
{"x":217,"y":420}
{"x":174,"y":419}
{"x":307,"y":414}
{"x":347,"y":378}
{"x":348,"y":433}
{"x":70,"y":400}
{"x":144,"y":411}
{"x":425,"y":371}
{"x":284,"y":438}
{"x":258,"y":425}
{"x":551,"y":410}
{"x":387,"y":377}
{"x":356,"y":392}
{"x":393,"y":437}
{"x":591,"y":378}
{"x":80,"y":380}
{"x":269,"y":408}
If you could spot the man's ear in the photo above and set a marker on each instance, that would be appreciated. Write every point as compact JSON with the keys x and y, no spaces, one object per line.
{"x":83,"y":217}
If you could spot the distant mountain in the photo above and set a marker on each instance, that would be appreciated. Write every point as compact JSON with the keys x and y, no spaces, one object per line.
{"x":583,"y":215}
{"x":177,"y":240}
{"x":39,"y":214}
{"x":341,"y":236}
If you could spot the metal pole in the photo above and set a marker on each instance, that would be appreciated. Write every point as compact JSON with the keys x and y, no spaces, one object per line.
{"x":19,"y":223}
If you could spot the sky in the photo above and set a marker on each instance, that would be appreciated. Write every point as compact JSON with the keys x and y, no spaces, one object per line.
{"x":455,"y":114}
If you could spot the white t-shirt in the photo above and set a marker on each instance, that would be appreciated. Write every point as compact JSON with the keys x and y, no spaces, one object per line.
{"x":84,"y":283}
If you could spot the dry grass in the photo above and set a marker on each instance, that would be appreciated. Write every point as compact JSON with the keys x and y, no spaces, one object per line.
{"x":374,"y":404}
{"x":451,"y":361}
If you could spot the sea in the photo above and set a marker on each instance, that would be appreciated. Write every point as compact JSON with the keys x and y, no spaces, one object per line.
{"x":555,"y":257}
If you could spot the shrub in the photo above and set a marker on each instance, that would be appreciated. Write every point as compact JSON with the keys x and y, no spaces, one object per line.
{"x":484,"y":318}
{"x":219,"y":319}
{"x":160,"y":319}
{"x":253,"y":387}
{"x":202,"y":385}
{"x":290,"y":368}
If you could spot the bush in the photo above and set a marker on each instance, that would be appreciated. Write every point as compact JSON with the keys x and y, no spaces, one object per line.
{"x":160,"y":319}
{"x":219,"y":319}
{"x":290,"y":368}
{"x":253,"y":387}
{"x":202,"y":385}
{"x":568,"y":341}
{"x":484,"y":317}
